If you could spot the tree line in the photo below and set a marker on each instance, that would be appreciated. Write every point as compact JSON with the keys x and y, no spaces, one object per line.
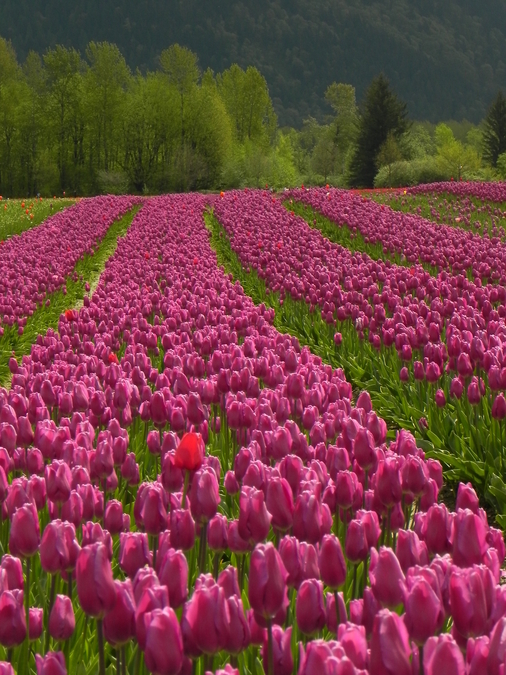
{"x":85,"y":124}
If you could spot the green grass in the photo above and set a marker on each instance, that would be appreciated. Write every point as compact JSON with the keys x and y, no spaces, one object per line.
{"x":15,"y":220}
{"x":88,"y":269}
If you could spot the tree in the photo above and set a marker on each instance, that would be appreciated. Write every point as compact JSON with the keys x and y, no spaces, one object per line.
{"x":454,"y":158}
{"x":342,"y":99}
{"x":63,"y":68}
{"x":388,"y":153}
{"x":247,"y":100}
{"x":382,"y":112}
{"x":494,"y":131}
{"x":106,"y":82}
{"x":180,"y":65}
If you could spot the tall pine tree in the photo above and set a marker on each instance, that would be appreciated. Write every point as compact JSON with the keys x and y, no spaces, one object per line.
{"x":382,"y":113}
{"x":494,"y":131}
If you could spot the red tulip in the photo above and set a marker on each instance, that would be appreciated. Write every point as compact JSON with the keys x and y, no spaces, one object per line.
{"x":190,"y":452}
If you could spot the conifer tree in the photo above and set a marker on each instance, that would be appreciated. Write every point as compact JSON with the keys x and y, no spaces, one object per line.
{"x":494,"y":131}
{"x":382,"y":113}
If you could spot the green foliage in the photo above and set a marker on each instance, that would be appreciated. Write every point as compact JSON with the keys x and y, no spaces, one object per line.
{"x":14,"y":218}
{"x":453,"y":157}
{"x":246,"y":98}
{"x":494,"y":131}
{"x":382,"y":113}
{"x":410,"y":172}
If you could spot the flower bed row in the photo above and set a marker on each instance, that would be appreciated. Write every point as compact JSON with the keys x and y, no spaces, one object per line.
{"x":273,"y":515}
{"x":417,"y":239}
{"x":37,"y":262}
{"x":488,"y":192}
{"x":463,"y":212}
{"x":452,"y":342}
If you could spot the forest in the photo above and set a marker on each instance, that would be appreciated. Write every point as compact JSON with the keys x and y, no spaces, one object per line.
{"x":445,"y":59}
{"x":84,"y":123}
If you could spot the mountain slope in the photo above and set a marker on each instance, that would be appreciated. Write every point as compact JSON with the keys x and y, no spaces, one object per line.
{"x":445,"y":59}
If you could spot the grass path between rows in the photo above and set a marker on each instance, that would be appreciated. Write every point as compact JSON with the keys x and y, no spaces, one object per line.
{"x":87,"y":271}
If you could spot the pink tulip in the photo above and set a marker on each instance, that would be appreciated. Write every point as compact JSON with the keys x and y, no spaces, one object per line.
{"x":95,"y":585}
{"x":53,"y":663}
{"x":119,"y":622}
{"x":390,"y":649}
{"x":267,"y":581}
{"x":164,"y":642}
{"x":310,"y":609}
{"x":62,"y":620}
{"x":441,"y":654}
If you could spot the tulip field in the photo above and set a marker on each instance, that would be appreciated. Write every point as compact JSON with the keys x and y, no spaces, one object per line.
{"x":255,"y":434}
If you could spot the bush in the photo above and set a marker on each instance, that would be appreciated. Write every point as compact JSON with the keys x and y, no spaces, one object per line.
{"x":406,"y":173}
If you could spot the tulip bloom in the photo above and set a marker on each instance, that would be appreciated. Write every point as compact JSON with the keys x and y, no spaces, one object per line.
{"x":12,"y":619}
{"x":174,"y":574}
{"x":35,"y":615}
{"x":204,"y":495}
{"x":387,"y":577}
{"x":206,"y":620}
{"x":310,"y":608}
{"x":469,"y":539}
{"x":471,"y":599}
{"x":190,"y":452}
{"x":134,"y":552}
{"x":267,"y":581}
{"x":390,"y":649}
{"x":164,"y":643}
{"x":282,"y":651}
{"x":95,"y":584}
{"x":62,"y":621}
{"x":332,"y":562}
{"x":424,"y":611}
{"x":119,"y":622}
{"x":53,"y":663}
{"x":24,"y":536}
{"x":254,"y":519}
{"x":442,"y":655}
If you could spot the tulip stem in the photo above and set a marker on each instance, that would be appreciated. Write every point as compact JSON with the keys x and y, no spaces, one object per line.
{"x":100,"y":638}
{"x":69,"y":587}
{"x":50,"y":607}
{"x":354,"y":585}
{"x":420,"y":656}
{"x":185,"y":488}
{"x":270,"y":653}
{"x":123,"y":660}
{"x":216,"y":564}
{"x":202,"y":549}
{"x":364,"y":577}
{"x":27,"y":598}
{"x":337,"y":611}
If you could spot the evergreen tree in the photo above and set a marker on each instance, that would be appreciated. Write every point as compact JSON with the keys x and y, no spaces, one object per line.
{"x":494,"y":132}
{"x":382,"y":113}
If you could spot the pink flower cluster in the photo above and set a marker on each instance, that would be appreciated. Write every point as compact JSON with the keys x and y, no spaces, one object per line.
{"x":332,"y":529}
{"x":447,"y":324}
{"x":490,"y":192}
{"x":37,"y":262}
{"x":419,"y":240}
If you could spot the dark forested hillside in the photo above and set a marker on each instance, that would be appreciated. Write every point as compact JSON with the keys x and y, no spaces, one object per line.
{"x":445,"y":59}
